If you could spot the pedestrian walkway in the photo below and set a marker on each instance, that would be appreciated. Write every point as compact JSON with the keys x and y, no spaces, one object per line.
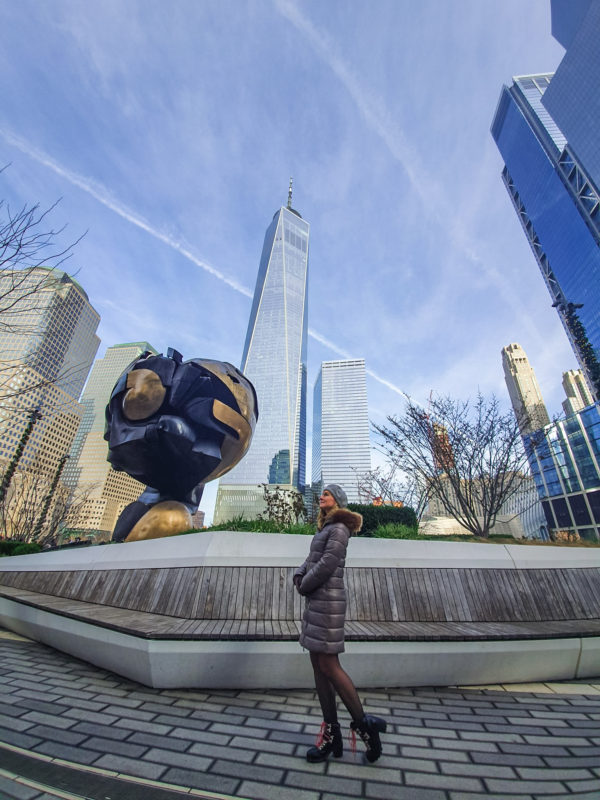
{"x":69,"y":730}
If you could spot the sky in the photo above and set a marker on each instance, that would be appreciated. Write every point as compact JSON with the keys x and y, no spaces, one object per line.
{"x":169,"y":131}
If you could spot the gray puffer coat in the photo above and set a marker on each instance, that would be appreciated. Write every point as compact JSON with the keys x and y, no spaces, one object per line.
{"x":323,"y":583}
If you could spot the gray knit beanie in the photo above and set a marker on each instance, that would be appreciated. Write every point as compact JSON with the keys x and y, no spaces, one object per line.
{"x":338,"y":494}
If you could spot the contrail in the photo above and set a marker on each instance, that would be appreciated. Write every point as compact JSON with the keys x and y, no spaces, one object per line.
{"x":371,"y":107}
{"x":100,"y":194}
{"x":423,"y":184}
{"x":345,"y":354}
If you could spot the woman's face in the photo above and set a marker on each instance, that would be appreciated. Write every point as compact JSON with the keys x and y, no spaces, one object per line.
{"x":327,"y":501}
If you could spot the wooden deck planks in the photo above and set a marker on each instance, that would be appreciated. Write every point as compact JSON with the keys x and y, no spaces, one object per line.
{"x":261,"y":602}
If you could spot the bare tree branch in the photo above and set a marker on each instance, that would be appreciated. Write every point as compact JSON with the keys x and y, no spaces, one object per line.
{"x":469,"y":456}
{"x":36,"y":505}
{"x":389,"y":485}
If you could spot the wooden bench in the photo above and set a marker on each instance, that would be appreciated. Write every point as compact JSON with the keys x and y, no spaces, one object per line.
{"x":260,"y":603}
{"x":191,"y":615}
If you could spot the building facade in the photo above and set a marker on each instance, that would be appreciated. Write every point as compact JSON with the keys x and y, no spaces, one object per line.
{"x":521,"y":516}
{"x":577,"y":392}
{"x":523,"y":389}
{"x":573,"y":99}
{"x":565,"y":463}
{"x":47,"y":344}
{"x":51,"y":328}
{"x":274,"y":359}
{"x":559,"y":210}
{"x":341,"y":450}
{"x":104,"y":493}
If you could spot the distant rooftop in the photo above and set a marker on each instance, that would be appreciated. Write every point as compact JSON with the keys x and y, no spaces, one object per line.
{"x":63,"y":277}
{"x":142,"y":345}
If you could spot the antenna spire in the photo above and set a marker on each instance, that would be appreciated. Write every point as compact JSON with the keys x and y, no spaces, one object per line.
{"x":289,"y":204}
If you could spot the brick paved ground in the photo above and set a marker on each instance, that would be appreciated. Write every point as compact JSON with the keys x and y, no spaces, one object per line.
{"x":442,"y":744}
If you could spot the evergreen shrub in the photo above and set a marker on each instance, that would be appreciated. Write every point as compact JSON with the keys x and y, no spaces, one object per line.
{"x":262,"y":526}
{"x":375,"y":516}
{"x":393,"y":531}
{"x":26,"y":548}
{"x":10,"y":547}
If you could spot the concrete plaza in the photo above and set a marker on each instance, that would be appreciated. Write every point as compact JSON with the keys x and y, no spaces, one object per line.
{"x":70,"y":730}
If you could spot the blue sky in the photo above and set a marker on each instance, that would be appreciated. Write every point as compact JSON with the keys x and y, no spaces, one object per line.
{"x":170,"y":131}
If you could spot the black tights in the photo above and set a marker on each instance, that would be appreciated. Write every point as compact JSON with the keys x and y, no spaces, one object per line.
{"x":331,"y":678}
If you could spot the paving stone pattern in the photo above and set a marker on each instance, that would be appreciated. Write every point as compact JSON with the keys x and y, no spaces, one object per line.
{"x":442,"y":744}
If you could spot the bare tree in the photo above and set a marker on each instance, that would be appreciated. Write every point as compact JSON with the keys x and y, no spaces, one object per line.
{"x":283,"y":506}
{"x":388,"y":485}
{"x":415,"y":493}
{"x":28,"y":258}
{"x":30,"y":262}
{"x":379,"y":483}
{"x":468,"y":455}
{"x":36,"y":505}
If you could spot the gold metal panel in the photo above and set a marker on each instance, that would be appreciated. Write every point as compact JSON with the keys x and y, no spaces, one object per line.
{"x":232,"y":449}
{"x":241,"y":389}
{"x":144,"y":396}
{"x":163,"y":519}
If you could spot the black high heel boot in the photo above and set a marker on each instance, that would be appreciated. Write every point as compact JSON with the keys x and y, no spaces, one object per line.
{"x":369,"y":728}
{"x":329,"y":741}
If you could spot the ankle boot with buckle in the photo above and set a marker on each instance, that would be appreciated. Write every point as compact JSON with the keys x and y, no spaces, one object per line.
{"x":369,"y":728}
{"x":329,"y":741}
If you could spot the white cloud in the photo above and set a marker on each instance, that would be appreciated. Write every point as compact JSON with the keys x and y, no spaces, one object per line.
{"x":100,"y":194}
{"x":437,"y":205}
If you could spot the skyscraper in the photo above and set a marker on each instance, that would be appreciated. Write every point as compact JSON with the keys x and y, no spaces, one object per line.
{"x":107,"y":491}
{"x":524,"y":390}
{"x":47,"y":345}
{"x":577,"y":391}
{"x":341,"y":451}
{"x":565,"y":465}
{"x":274,"y":359}
{"x":559,"y":209}
{"x":573,"y":99}
{"x":51,"y":329}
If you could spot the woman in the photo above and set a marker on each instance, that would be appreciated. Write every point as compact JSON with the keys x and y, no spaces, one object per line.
{"x":321,"y":580}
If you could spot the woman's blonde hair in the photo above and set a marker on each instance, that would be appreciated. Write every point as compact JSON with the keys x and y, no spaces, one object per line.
{"x":322,"y":516}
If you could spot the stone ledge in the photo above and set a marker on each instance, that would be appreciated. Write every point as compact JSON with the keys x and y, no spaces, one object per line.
{"x":228,"y":548}
{"x":280,"y":664}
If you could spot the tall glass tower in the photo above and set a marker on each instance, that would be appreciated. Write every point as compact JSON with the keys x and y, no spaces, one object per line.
{"x":573,"y":98}
{"x":559,"y":209}
{"x":274,"y":359}
{"x":341,"y":451}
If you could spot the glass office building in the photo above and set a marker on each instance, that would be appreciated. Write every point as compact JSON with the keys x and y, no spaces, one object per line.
{"x":573,"y":97}
{"x":565,"y":462}
{"x":559,"y":210}
{"x":341,"y":450}
{"x":274,"y":359}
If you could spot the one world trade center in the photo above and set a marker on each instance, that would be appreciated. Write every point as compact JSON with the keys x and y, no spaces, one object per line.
{"x":274,"y":359}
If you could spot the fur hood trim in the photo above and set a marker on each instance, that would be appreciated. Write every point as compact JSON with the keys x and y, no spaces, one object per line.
{"x":350,"y":519}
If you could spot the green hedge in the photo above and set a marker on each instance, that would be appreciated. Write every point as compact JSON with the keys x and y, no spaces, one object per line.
{"x":12,"y":547}
{"x":392,"y":530}
{"x":261,"y":526}
{"x":25,"y":548}
{"x":376,"y":516}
